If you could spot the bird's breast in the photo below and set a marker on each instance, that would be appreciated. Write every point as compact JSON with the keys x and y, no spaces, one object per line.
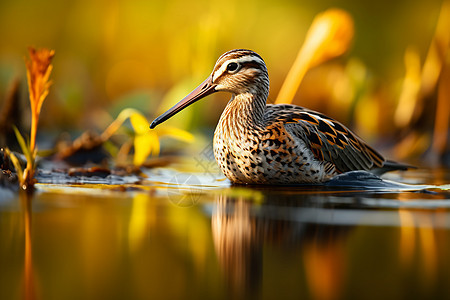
{"x":237,"y":152}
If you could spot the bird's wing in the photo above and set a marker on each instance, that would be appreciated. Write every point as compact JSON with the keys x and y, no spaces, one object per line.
{"x":328,"y":139}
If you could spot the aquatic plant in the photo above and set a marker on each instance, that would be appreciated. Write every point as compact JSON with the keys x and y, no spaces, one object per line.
{"x":39,"y":68}
{"x":145,"y":142}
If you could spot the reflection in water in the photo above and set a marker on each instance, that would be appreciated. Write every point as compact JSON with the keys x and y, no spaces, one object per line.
{"x":325,"y":264}
{"x":428,"y":245}
{"x":237,"y":244}
{"x":240,"y":234}
{"x":287,"y":243}
{"x":140,"y":218}
{"x":407,"y":236}
{"x":419,"y":236}
{"x":29,"y":278}
{"x":321,"y":229}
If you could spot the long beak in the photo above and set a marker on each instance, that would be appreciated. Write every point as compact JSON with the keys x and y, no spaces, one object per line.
{"x":204,"y":89}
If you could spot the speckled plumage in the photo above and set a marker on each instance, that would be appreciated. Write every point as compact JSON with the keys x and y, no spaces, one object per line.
{"x":259,"y":143}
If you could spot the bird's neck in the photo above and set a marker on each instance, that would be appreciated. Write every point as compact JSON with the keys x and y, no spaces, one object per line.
{"x":244,"y":112}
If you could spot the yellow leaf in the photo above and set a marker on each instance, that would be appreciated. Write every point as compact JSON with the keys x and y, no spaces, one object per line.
{"x":146,"y":141}
{"x":139,"y":123}
{"x":144,"y":145}
{"x":329,"y":36}
{"x":176,"y":133}
{"x":410,"y":89}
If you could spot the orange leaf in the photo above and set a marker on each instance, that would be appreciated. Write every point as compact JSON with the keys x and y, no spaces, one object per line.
{"x":38,"y":73}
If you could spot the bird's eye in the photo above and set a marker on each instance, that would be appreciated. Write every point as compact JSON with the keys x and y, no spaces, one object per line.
{"x":232,"y":67}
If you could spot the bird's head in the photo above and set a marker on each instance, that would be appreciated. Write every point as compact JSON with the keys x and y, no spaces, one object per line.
{"x":237,"y":71}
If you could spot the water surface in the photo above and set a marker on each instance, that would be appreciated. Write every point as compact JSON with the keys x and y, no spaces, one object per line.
{"x":193,"y":236}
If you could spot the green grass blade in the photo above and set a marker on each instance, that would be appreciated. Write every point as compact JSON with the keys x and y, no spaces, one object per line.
{"x":23,"y":145}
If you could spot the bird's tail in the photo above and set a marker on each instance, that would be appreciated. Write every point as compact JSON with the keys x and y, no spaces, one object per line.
{"x":389,"y":166}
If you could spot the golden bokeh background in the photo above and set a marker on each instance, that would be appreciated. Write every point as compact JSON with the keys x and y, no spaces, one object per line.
{"x":149,"y":54}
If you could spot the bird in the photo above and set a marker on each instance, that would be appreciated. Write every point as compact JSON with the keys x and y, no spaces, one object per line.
{"x":275,"y":144}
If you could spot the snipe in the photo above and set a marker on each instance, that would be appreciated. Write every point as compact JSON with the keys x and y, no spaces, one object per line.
{"x":261,"y":143}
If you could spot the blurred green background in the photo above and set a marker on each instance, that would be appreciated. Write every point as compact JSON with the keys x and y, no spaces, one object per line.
{"x":149,"y":54}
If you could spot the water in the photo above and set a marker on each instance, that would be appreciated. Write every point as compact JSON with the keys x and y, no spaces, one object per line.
{"x":180,"y":235}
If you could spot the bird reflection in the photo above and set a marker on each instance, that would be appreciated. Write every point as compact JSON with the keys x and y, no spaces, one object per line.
{"x":238,"y":244}
{"x":241,"y":230}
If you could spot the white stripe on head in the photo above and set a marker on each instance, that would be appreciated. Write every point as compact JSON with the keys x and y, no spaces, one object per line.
{"x":239,"y":60}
